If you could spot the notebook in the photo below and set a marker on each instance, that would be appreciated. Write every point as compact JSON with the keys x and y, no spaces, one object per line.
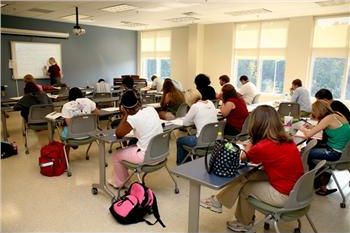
{"x":53,"y":115}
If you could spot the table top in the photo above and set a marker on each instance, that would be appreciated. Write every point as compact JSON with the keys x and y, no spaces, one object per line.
{"x":195,"y":171}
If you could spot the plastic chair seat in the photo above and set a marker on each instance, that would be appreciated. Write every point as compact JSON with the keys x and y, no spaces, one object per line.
{"x":145,"y":167}
{"x":269,"y":209}
{"x":200,"y":151}
{"x":77,"y":141}
{"x":38,"y":126}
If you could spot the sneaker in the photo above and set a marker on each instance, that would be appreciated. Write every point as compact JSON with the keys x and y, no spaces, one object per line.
{"x":212,"y":203}
{"x":236,"y":226}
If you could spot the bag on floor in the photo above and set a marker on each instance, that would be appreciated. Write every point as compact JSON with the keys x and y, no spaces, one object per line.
{"x":224,"y":160}
{"x":135,"y":204}
{"x":52,"y":161}
{"x":8,"y":149}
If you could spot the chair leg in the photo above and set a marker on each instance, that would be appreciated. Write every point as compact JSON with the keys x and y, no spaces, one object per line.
{"x":176,"y":187}
{"x":126,"y":181}
{"x":311,"y":223}
{"x":110,"y":147}
{"x":87,"y":152}
{"x":143,"y":177}
{"x":26,"y":140}
{"x":276,"y":226}
{"x":342,"y":204}
{"x":69,"y":173}
{"x":189,"y":155}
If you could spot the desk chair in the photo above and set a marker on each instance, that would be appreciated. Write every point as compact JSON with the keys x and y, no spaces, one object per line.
{"x":256,"y":99}
{"x":148,"y":98}
{"x":79,"y":131}
{"x":341,"y":165}
{"x":289,"y":109}
{"x":182,"y":110}
{"x":155,"y":158}
{"x":243,"y":135}
{"x":205,"y":140}
{"x":104,"y":95}
{"x":36,"y":120}
{"x":305,"y":153}
{"x":296,"y":206}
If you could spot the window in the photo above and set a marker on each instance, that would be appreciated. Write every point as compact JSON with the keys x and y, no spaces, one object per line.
{"x":259,"y":54}
{"x":155,"y":54}
{"x":330,"y":56}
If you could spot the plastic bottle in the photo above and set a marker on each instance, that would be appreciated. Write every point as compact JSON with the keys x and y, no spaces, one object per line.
{"x":219,"y":137}
{"x":14,"y":145}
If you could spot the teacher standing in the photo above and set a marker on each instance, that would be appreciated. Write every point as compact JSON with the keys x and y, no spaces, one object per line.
{"x":54,"y":71}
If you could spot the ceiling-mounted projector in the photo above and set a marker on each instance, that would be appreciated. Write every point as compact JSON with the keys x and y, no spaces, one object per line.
{"x":77,"y":30}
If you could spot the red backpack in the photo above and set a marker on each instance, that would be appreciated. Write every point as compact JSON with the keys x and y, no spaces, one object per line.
{"x":137,"y":202}
{"x":52,"y":161}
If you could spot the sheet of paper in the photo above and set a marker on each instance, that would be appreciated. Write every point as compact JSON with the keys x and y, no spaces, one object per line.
{"x":16,"y":98}
{"x":317,"y":136}
{"x":52,"y":96}
{"x":178,"y":121}
{"x":53,"y":115}
{"x":110,"y":109}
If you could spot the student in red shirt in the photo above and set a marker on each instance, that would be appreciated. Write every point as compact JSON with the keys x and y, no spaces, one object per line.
{"x":54,"y":71}
{"x":282,"y":167}
{"x":234,"y":109}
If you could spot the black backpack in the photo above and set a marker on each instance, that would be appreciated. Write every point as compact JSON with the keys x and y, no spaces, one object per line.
{"x":135,"y":204}
{"x":8,"y":149}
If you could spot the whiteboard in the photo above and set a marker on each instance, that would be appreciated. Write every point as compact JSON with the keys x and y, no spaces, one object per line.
{"x":31,"y":57}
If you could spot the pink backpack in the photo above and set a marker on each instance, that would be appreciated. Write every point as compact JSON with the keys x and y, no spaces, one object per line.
{"x":135,"y":204}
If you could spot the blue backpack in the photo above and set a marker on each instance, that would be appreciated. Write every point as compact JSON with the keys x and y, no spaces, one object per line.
{"x":135,"y":204}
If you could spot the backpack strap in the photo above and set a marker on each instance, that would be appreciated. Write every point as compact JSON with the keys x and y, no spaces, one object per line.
{"x":155,"y":212}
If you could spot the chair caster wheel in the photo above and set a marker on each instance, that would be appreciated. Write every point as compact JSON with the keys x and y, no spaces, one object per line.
{"x":87,"y":158}
{"x":94,"y":191}
{"x":69,"y":174}
{"x":27,"y":152}
{"x":110,"y":151}
{"x":177,"y":191}
{"x":106,"y":164}
{"x":342,"y":205}
{"x":297,"y":230}
{"x":114,"y":199}
{"x":266,"y":226}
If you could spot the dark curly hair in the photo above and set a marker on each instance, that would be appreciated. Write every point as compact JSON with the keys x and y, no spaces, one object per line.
{"x":202,"y":80}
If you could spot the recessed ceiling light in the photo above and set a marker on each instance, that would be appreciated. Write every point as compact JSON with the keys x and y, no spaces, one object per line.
{"x":119,"y":8}
{"x":2,"y":5}
{"x":332,"y":3}
{"x":249,"y":12}
{"x":182,"y":19}
{"x":72,"y":17}
{"x":132,"y":24}
{"x":190,"y":13}
{"x":40,"y":10}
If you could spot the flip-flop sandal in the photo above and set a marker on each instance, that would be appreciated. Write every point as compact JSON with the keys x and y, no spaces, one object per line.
{"x":327,"y":192}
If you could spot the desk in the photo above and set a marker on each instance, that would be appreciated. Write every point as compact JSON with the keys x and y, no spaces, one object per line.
{"x":196,"y":173}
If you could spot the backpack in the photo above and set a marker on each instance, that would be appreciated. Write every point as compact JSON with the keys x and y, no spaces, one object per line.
{"x":52,"y":161}
{"x":135,"y":204}
{"x":8,"y":149}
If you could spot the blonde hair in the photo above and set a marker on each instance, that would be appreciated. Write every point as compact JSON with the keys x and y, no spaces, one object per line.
{"x":28,"y":78}
{"x":192,"y":96}
{"x":321,"y":109}
{"x":52,"y":59}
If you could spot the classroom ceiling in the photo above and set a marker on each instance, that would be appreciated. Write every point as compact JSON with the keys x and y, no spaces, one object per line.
{"x":151,"y":14}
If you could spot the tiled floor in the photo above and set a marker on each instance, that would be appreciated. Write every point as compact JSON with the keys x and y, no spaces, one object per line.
{"x":35,"y":203}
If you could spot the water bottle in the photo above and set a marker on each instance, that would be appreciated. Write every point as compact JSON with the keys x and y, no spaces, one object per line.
{"x":14,"y":145}
{"x":219,"y":137}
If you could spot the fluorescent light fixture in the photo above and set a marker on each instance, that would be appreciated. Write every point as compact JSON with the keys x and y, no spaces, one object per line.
{"x":332,"y":3}
{"x":132,"y":24}
{"x":40,"y":10}
{"x":190,"y":13}
{"x":72,"y":17}
{"x":2,"y":5}
{"x":25,"y":32}
{"x":249,"y":12}
{"x":119,"y":8}
{"x":183,"y":19}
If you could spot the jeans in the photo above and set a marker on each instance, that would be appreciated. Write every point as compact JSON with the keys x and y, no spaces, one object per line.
{"x":181,"y":152}
{"x":322,"y":153}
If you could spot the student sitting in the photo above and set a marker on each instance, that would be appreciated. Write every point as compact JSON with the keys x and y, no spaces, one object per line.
{"x":102,"y":87}
{"x":248,"y":90}
{"x":234,"y":109}
{"x":301,"y":96}
{"x":223,"y":80}
{"x":42,"y":87}
{"x":77,"y":105}
{"x":171,"y":100}
{"x":275,"y":150}
{"x":157,"y":83}
{"x":337,"y":106}
{"x":145,"y":124}
{"x":202,"y":82}
{"x":32,"y":96}
{"x":128,"y":84}
{"x":337,"y":131}
{"x":202,"y":112}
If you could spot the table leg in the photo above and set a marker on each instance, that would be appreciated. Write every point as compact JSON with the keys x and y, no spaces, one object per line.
{"x":102,"y":185}
{"x":4,"y":126}
{"x":193,"y":213}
